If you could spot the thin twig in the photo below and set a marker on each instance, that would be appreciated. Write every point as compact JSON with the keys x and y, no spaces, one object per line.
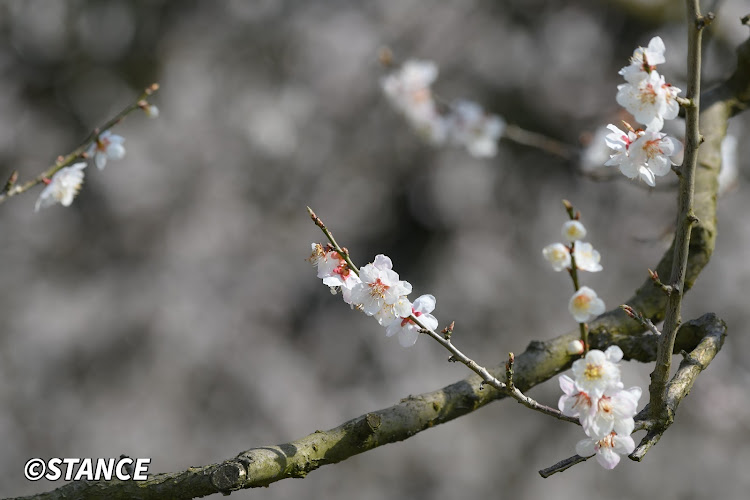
{"x":562,"y":465}
{"x":456,"y":354}
{"x":685,"y":215}
{"x":13,"y":189}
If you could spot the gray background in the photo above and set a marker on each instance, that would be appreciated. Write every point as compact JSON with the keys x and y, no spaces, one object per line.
{"x":170,"y":313}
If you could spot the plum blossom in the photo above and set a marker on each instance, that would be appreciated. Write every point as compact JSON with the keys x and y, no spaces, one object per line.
{"x":587,"y":259}
{"x":63,"y":187}
{"x":108,"y":146}
{"x":644,"y":154}
{"x":407,"y":330}
{"x":613,"y":412}
{"x":333,"y":270}
{"x":381,"y":286}
{"x":607,"y":449}
{"x":651,"y":100}
{"x":408,"y":90}
{"x":585,"y":305}
{"x":557,"y":255}
{"x":471,"y":127}
{"x":573,"y":230}
{"x":598,"y":371}
{"x":644,"y":60}
{"x":605,"y":410}
{"x":574,"y":402}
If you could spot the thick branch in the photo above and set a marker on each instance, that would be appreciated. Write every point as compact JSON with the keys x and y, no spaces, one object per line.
{"x":265,"y":465}
{"x":715,"y":331}
{"x":541,"y":361}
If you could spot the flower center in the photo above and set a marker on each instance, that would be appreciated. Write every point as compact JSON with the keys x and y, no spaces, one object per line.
{"x":593,"y":372}
{"x":378,"y":288}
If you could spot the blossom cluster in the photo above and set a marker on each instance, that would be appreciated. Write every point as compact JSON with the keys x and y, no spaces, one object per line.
{"x":596,"y":396}
{"x":584,"y":304}
{"x":648,"y":153}
{"x":66,"y":182}
{"x":464,"y":124}
{"x":377,"y":291}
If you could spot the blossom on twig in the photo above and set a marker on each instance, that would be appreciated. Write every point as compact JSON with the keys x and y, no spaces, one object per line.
{"x":63,"y":187}
{"x":107,"y":146}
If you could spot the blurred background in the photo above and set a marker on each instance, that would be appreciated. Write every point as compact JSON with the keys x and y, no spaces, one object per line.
{"x":170,"y":313}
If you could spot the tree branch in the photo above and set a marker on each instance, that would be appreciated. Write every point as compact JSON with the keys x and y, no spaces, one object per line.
{"x":540,"y":361}
{"x":11,"y":189}
{"x":685,"y":216}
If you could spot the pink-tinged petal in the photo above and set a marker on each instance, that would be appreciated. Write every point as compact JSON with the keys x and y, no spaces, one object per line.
{"x":607,"y":458}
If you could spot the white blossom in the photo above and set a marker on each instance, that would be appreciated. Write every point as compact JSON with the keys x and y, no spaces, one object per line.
{"x":651,"y":100}
{"x":642,"y":154}
{"x":598,"y":371}
{"x":574,"y":402}
{"x":644,"y":60}
{"x":334,"y":271}
{"x":63,"y":187}
{"x":585,"y":305}
{"x":557,"y":255}
{"x":587,"y":259}
{"x":607,"y":450}
{"x":408,"y":90}
{"x":573,"y":230}
{"x":151,"y":111}
{"x":471,"y":127}
{"x":107,"y":146}
{"x":380,"y":286}
{"x":613,"y":412}
{"x":407,"y":330}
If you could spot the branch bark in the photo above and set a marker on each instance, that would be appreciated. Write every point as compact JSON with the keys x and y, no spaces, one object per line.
{"x":541,"y":360}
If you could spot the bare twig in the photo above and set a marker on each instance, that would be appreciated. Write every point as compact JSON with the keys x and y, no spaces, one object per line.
{"x":696,"y":23}
{"x":13,"y":189}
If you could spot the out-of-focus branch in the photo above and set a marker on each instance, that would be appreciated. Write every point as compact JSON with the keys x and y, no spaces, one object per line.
{"x":13,"y":189}
{"x":540,"y":361}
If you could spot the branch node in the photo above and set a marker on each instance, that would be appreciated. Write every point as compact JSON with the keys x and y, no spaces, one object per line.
{"x":703,"y":21}
{"x":229,"y":476}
